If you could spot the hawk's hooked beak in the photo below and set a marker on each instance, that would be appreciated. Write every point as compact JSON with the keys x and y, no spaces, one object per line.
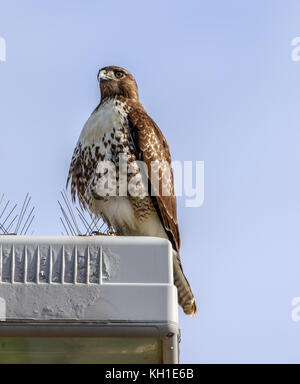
{"x":103,"y":75}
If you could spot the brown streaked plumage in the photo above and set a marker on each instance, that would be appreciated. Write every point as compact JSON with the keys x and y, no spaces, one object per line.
{"x":120,"y":125}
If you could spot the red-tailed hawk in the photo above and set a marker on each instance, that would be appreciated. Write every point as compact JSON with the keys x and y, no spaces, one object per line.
{"x":118,"y":127}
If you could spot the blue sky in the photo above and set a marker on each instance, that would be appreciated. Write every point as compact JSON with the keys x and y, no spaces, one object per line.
{"x":218,"y":79}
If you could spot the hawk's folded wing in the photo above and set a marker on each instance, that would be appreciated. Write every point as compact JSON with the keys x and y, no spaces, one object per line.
{"x":152,"y":147}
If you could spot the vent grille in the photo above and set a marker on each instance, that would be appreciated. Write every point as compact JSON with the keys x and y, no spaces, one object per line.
{"x":42,"y":264}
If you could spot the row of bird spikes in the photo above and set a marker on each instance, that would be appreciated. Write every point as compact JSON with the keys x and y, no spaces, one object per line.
{"x":74,"y":221}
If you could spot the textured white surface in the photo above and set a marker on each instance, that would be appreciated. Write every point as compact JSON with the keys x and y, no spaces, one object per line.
{"x":87,"y":278}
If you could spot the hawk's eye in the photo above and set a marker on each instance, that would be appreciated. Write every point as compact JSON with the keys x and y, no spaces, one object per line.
{"x":119,"y":74}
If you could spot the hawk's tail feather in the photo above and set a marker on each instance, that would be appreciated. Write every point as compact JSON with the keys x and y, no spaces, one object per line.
{"x":186,"y":297}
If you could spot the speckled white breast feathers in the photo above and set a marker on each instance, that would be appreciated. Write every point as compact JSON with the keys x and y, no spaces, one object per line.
{"x":111,"y":114}
{"x":104,"y":138}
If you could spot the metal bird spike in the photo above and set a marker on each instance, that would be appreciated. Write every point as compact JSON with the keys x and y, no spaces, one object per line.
{"x":76,"y":221}
{"x":9,"y":217}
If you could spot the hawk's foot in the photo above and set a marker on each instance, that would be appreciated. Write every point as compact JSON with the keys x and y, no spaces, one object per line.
{"x":104,"y":234}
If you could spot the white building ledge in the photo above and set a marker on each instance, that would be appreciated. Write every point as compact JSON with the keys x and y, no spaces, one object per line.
{"x":112,"y":298}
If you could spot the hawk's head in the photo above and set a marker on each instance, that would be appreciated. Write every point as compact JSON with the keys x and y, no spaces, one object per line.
{"x":116,"y":81}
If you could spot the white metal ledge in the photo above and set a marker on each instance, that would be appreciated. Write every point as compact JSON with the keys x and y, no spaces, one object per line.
{"x":97,"y":286}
